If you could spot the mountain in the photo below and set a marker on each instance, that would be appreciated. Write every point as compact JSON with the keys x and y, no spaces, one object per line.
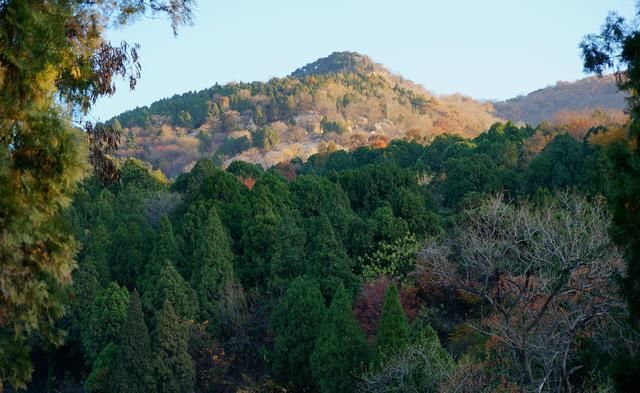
{"x":545,"y":104}
{"x":341,"y":101}
{"x":338,"y":63}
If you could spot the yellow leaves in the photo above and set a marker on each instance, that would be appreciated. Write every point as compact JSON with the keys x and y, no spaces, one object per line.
{"x":75,"y":72}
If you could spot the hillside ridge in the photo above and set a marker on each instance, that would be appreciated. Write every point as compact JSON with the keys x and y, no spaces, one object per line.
{"x":338,"y":102}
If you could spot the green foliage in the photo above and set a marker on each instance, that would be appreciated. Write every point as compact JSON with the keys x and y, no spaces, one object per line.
{"x":412,"y":208}
{"x":266,"y":138}
{"x":341,"y":350}
{"x":104,"y":321}
{"x":85,"y":289}
{"x":296,"y":325}
{"x":471,"y":174}
{"x":338,"y":127}
{"x":213,"y":269}
{"x":169,"y":285}
{"x":245,"y":169}
{"x":233,"y":146}
{"x":127,"y":254}
{"x":561,"y":164}
{"x":326,"y":258}
{"x":133,"y":372}
{"x":164,"y":249}
{"x":393,"y":332}
{"x":394,"y":258}
{"x":55,"y":63}
{"x":174,"y":369}
{"x":617,"y":48}
{"x":421,"y":366}
{"x":99,"y":379}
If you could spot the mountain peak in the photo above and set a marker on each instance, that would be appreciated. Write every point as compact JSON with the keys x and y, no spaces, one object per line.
{"x":338,"y":62}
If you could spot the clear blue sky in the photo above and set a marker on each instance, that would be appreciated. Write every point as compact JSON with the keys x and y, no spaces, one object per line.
{"x":492,"y":49}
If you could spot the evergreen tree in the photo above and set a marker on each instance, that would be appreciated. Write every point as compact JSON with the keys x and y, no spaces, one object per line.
{"x":134,"y":372}
{"x":296,"y":324}
{"x":327,"y":260}
{"x":106,"y":315}
{"x":393,"y":332}
{"x":164,"y":249}
{"x":192,"y":225}
{"x":174,"y":368}
{"x":288,"y":259}
{"x":169,"y":285}
{"x":99,"y":378}
{"x":213,"y":265}
{"x":55,"y":62}
{"x":85,"y":289}
{"x":341,"y":350}
{"x":127,"y":254}
{"x":97,"y":249}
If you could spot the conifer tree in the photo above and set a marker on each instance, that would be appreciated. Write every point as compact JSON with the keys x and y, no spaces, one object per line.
{"x":127,"y":256}
{"x":341,"y":349}
{"x":164,"y":248}
{"x":192,"y":225}
{"x":55,"y":62}
{"x":85,"y":289}
{"x":96,"y":249}
{"x":327,"y":259}
{"x":104,"y":320}
{"x":134,"y":372}
{"x":169,"y":285}
{"x":213,"y":265}
{"x":101,"y":372}
{"x":393,"y":332}
{"x":296,"y":325}
{"x":174,"y":368}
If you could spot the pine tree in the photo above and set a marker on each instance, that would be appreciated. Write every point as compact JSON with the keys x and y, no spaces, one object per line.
{"x":164,"y":249}
{"x":296,"y":325}
{"x":393,"y":332}
{"x":174,"y":368}
{"x":341,"y":349}
{"x":213,"y":265}
{"x":169,"y":285}
{"x":134,"y":372}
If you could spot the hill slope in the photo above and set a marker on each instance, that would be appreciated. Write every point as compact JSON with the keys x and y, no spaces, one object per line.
{"x":339,"y":102}
{"x":546,"y":103}
{"x":342,"y":101}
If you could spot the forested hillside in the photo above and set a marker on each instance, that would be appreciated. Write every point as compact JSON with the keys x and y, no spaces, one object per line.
{"x":547,"y":103}
{"x":343,"y":101}
{"x":339,"y":230}
{"x":340,"y":102}
{"x":352,"y":271}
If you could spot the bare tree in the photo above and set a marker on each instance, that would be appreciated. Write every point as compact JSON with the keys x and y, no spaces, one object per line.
{"x":547,"y":274}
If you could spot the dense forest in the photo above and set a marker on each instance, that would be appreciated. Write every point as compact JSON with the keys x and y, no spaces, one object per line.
{"x":596,"y":92}
{"x":413,"y":267}
{"x":342,"y":101}
{"x":501,"y":257}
